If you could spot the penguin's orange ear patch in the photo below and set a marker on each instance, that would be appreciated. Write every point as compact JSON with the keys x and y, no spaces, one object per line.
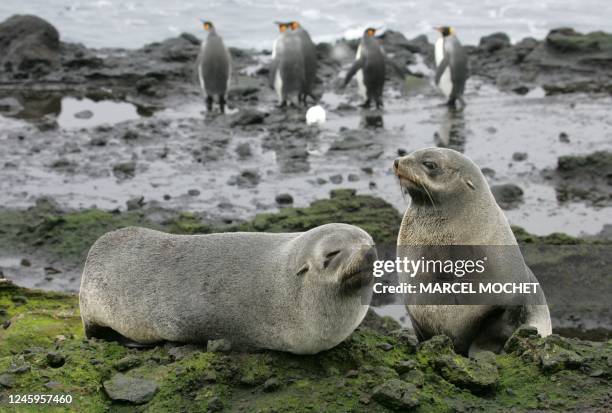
{"x":371,"y":32}
{"x":295,"y":25}
{"x":206,"y":26}
{"x":282,"y":28}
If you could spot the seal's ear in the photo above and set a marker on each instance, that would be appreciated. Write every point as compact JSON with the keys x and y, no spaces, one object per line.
{"x":303,"y":270}
{"x":470,"y":184}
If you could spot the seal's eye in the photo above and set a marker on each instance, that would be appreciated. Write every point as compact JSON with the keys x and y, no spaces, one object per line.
{"x":430,"y":165}
{"x":329,"y":257}
{"x":303,"y":270}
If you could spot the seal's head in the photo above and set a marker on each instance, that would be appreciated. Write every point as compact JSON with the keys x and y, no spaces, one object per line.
{"x":339,"y":257}
{"x":439,"y":176}
{"x":332,"y":268}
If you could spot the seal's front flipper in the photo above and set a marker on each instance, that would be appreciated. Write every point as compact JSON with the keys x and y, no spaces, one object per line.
{"x":108,"y":334}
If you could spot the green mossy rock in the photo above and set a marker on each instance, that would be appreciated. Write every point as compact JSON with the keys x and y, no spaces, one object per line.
{"x":359,"y":375}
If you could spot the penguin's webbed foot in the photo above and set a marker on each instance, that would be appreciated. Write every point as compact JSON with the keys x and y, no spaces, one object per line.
{"x":209,"y":103}
{"x":379,"y":104}
{"x":366,"y":104}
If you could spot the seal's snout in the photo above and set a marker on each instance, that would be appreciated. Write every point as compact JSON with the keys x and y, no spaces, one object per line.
{"x":396,"y":165}
{"x":358,"y":268}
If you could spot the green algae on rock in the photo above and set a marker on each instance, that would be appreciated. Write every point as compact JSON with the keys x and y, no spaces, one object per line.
{"x":359,"y":375}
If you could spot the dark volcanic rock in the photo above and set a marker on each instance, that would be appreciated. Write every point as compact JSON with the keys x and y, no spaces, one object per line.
{"x":494,"y":42}
{"x":583,"y":178}
{"x":122,"y":388}
{"x":508,"y":196}
{"x":247,"y":117}
{"x":28,"y":42}
{"x":565,"y":62}
{"x":284,"y":199}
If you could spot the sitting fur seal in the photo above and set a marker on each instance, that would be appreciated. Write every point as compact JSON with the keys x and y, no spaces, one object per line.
{"x":452,"y":205}
{"x":297,"y":292}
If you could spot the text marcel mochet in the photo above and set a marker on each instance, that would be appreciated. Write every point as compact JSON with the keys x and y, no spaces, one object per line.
{"x":459,"y":268}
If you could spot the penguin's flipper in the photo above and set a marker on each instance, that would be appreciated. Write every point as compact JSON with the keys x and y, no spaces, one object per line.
{"x":272,"y":72}
{"x":441,"y":68}
{"x":358,"y":64}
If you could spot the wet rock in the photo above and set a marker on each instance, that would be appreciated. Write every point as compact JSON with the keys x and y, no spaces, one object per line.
{"x":568,"y":40}
{"x":55,"y":360}
{"x":336,"y":179}
{"x":583,"y":178}
{"x":84,"y":114}
{"x":284,"y":199}
{"x":478,"y":376}
{"x":404,"y":366}
{"x":98,"y":141}
{"x":218,"y":346}
{"x":508,"y":196}
{"x":247,"y":179}
{"x":557,"y":354}
{"x":521,"y":90}
{"x":215,"y":405}
{"x":352,"y":177}
{"x":494,"y":42}
{"x":396,"y":395}
{"x":437,"y":345}
{"x":127,"y":363}
{"x":125,"y":170}
{"x":130,"y":135}
{"x":122,"y":388}
{"x":181,"y":352}
{"x":193,"y":192}
{"x":247,"y":117}
{"x":25,"y":262}
{"x":407,"y":339}
{"x":28,"y":43}
{"x":7,"y":380}
{"x":488,"y":172}
{"x":10,"y":106}
{"x":51,"y":271}
{"x":272,"y":384}
{"x":244,"y":151}
{"x":135,"y":203}
{"x":519,"y":156}
{"x":564,"y":137}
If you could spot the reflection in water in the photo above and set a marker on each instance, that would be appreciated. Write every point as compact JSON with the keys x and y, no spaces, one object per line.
{"x":38,"y":106}
{"x":371,"y":119}
{"x":451,"y":133}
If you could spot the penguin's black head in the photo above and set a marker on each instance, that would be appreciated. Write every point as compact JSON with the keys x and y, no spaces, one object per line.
{"x":283,"y":26}
{"x":294,"y":25}
{"x":370,"y":32}
{"x":445,"y":30}
{"x":208,"y":26}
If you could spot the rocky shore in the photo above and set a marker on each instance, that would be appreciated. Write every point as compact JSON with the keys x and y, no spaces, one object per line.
{"x":537,"y":122}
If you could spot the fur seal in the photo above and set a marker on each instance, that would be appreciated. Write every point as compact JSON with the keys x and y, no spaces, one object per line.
{"x":453,"y":205}
{"x":297,"y":292}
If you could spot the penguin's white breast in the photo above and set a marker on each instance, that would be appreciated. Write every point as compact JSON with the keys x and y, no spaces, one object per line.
{"x":359,"y":76}
{"x":445,"y":83}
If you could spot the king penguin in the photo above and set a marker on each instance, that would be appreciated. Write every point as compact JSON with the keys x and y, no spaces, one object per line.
{"x":287,"y":72}
{"x":214,"y":66}
{"x":369,"y":66}
{"x":451,"y":65}
{"x":309,"y":52}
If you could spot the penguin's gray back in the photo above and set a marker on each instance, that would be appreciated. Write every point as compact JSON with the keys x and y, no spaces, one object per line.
{"x":373,"y":66}
{"x":452,"y":80}
{"x":290,"y":72}
{"x":214,"y":66}
{"x":310,"y":59}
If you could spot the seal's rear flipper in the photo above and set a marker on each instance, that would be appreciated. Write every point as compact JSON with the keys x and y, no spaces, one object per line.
{"x":108,"y":334}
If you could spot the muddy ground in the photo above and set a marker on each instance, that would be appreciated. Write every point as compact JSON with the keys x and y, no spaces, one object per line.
{"x":122,"y":129}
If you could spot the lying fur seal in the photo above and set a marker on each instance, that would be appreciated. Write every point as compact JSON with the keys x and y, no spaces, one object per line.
{"x":296,"y":292}
{"x":453,"y":205}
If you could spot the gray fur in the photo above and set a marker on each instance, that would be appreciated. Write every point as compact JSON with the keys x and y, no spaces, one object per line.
{"x":257,"y":290}
{"x":458,"y":208}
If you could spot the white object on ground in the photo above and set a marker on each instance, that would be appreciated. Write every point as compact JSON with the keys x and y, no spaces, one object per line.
{"x":315,"y":115}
